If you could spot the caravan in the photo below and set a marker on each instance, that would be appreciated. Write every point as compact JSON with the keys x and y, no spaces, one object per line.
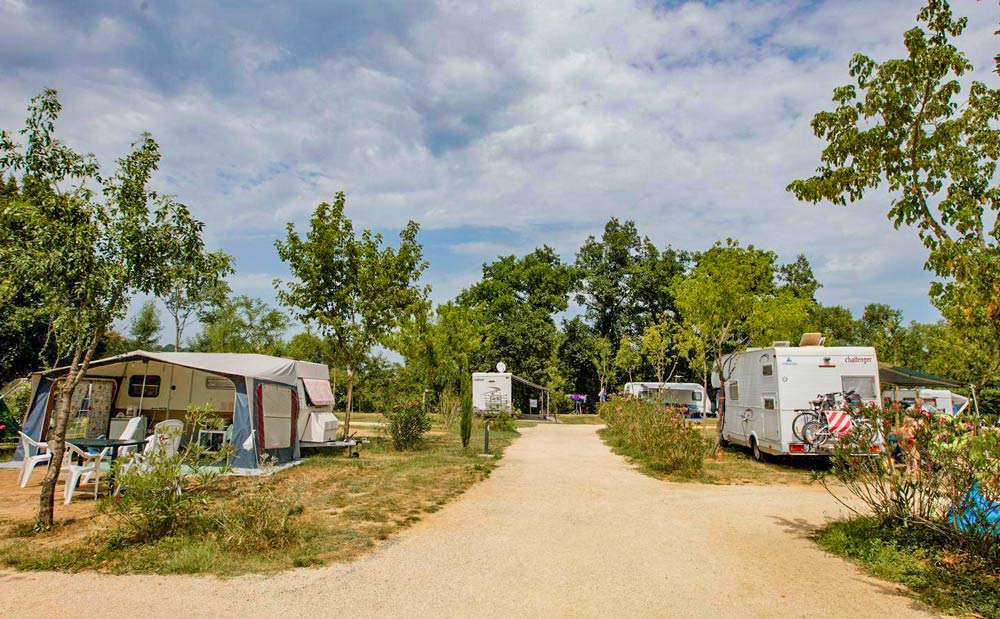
{"x":689,"y":395}
{"x":935,"y":400}
{"x":766,"y":388}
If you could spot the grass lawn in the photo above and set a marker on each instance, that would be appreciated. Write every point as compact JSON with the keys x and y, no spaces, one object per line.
{"x":735,"y":466}
{"x":348,"y":507}
{"x":952,"y":582}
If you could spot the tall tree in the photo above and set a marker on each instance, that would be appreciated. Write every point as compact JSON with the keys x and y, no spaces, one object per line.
{"x":797,"y":279}
{"x":906,"y":125}
{"x":657,"y":343}
{"x":144,"y":330}
{"x":602,"y":356}
{"x":882,"y":326}
{"x":836,"y":323}
{"x":434,"y":348}
{"x":353,"y":288}
{"x":84,"y":244}
{"x":195,"y":288}
{"x":518,"y":298}
{"x":242,"y":324}
{"x":628,"y":357}
{"x":465,"y":426}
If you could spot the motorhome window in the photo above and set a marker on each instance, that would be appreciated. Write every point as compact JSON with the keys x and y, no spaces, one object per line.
{"x":864,"y":386}
{"x":696,"y":396}
{"x":769,"y":402}
{"x":218,"y":382}
{"x":734,"y":390}
{"x":767,"y":370}
{"x":135,"y":383}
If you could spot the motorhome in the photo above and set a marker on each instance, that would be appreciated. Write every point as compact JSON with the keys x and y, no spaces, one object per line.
{"x":935,"y":400}
{"x":766,"y":388}
{"x":688,"y":395}
{"x":504,"y":392}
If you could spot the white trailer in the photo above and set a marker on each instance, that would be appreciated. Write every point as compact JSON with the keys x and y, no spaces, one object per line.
{"x":491,"y":391}
{"x":766,"y":388}
{"x":688,"y":395}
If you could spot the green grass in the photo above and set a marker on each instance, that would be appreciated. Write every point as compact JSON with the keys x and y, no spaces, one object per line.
{"x":349,"y":506}
{"x":950,"y":581}
{"x":735,"y":466}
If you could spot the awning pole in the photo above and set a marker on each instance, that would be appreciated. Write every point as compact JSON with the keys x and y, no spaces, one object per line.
{"x":142,"y":394}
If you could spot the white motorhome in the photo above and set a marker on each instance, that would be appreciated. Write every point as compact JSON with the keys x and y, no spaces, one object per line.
{"x":766,"y":388}
{"x":935,"y":400}
{"x":688,"y":395}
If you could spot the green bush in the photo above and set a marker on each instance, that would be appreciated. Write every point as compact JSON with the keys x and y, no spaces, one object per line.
{"x":258,"y":518}
{"x":503,"y":421}
{"x":657,"y":435}
{"x":407,"y":423}
{"x":924,"y":484}
{"x":13,"y":407}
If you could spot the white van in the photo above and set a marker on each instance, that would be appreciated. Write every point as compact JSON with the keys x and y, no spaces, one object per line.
{"x":688,"y":395}
{"x":767,"y":388}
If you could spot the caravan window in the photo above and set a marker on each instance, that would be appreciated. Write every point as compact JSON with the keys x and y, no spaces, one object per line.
{"x":218,"y":382}
{"x":864,"y":386}
{"x":769,"y":400}
{"x":734,"y":391}
{"x":696,"y":396}
{"x":135,"y":383}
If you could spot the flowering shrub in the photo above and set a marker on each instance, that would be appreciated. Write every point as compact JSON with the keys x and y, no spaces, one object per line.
{"x":407,"y":423}
{"x":915,"y":469}
{"x":657,"y":435}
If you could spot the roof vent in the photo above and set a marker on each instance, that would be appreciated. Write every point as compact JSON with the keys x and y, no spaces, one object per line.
{"x":812,"y":339}
{"x":781,"y":344}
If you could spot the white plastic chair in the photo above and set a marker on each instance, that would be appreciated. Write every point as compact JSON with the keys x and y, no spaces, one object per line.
{"x":31,"y":461}
{"x":128,"y":434}
{"x":172,"y":429}
{"x":81,"y":473}
{"x":140,"y":460}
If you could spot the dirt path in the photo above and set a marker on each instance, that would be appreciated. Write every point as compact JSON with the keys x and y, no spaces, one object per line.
{"x":564,"y":528}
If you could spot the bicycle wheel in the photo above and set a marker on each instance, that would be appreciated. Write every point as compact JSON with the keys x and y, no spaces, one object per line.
{"x":800,"y":421}
{"x":815,"y":433}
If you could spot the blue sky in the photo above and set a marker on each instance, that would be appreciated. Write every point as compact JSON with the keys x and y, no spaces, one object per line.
{"x":498,"y":126}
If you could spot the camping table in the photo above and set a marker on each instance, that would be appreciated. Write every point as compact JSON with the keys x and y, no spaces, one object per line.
{"x":100,"y":443}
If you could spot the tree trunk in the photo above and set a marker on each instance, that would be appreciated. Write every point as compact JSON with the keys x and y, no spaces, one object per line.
{"x":177,"y":333}
{"x":56,"y":439}
{"x":350,"y":402}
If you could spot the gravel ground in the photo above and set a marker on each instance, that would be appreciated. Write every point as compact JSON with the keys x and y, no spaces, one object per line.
{"x":563,"y":528}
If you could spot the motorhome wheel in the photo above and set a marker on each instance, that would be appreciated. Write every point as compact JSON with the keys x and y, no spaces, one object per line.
{"x":758,"y":455}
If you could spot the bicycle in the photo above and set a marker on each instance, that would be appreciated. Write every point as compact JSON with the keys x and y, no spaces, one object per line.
{"x":826,"y":420}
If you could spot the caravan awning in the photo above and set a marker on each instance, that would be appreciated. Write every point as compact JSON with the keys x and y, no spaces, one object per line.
{"x":318,"y":391}
{"x":902,"y":377}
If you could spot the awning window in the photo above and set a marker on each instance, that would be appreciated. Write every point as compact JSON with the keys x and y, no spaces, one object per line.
{"x":318,"y":391}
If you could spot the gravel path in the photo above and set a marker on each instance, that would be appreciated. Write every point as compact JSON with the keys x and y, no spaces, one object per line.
{"x":563,"y":528}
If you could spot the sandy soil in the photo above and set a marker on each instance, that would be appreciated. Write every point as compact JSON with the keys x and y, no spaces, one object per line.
{"x":563,"y":528}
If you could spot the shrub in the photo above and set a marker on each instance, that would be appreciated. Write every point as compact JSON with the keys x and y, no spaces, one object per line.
{"x":407,"y":424}
{"x":164,"y":494}
{"x":657,"y":435}
{"x":13,"y":407}
{"x":939,"y":474}
{"x":449,"y":406}
{"x":258,"y":518}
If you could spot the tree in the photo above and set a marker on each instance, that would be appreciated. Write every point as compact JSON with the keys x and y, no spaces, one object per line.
{"x":145,"y":328}
{"x":602,"y":356}
{"x":83,"y":244}
{"x":729,"y":299}
{"x":628,"y":357}
{"x":307,"y":346}
{"x":798,"y":279}
{"x":242,"y":324}
{"x":882,"y":327}
{"x":657,"y":342}
{"x":836,"y":323}
{"x":195,"y":288}
{"x":625,"y":280}
{"x":434,"y":348}
{"x":355,"y":290}
{"x":906,"y":125}
{"x":573,"y":354}
{"x":465,"y":425}
{"x":517,"y":298}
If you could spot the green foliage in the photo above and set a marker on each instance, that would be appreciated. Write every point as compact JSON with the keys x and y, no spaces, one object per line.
{"x":628,"y":357}
{"x":242,"y":324}
{"x":905,"y":124}
{"x":517,"y":298}
{"x":572,"y":363}
{"x":354,"y":289}
{"x":13,"y":407}
{"x":144,"y":330}
{"x":950,"y":581}
{"x":163,"y":493}
{"x":435,"y":347}
{"x":406,"y":424}
{"x":657,"y":435}
{"x":657,"y":344}
{"x":259,"y":518}
{"x":602,"y":357}
{"x":465,"y":428}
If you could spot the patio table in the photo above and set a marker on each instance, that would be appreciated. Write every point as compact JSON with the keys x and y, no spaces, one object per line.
{"x":100,"y":443}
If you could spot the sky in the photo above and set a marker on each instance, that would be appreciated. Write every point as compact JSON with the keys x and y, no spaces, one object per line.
{"x":497,"y":126}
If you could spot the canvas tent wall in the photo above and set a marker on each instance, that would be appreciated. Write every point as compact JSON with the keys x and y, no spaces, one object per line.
{"x":261,"y":393}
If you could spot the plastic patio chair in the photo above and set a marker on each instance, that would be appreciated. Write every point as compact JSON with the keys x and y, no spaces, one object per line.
{"x":131,"y":428}
{"x":31,"y":461}
{"x":172,"y":429}
{"x":82,"y":473}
